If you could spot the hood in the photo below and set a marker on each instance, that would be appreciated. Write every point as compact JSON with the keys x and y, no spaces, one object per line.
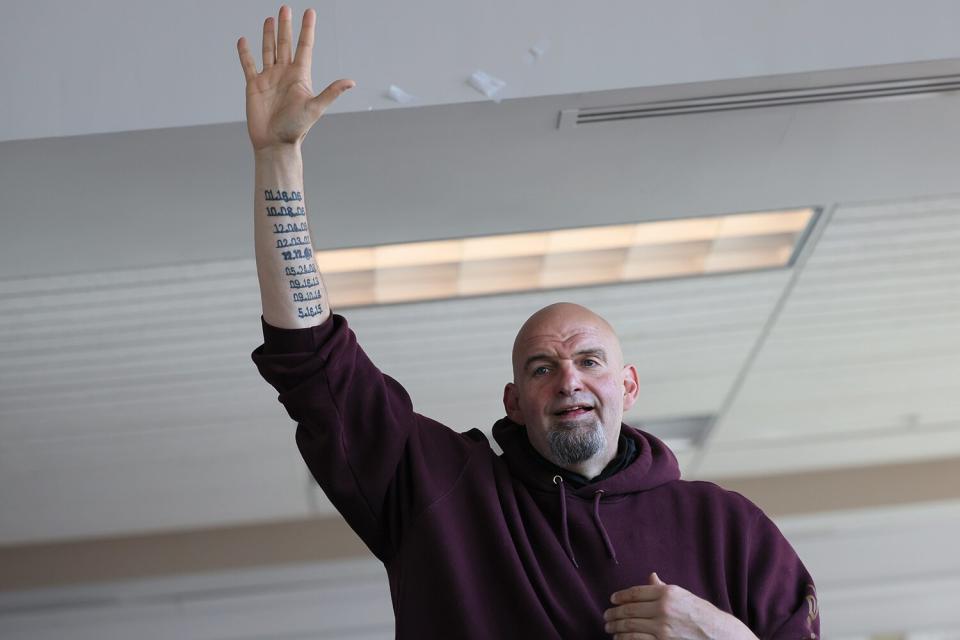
{"x":654,"y":465}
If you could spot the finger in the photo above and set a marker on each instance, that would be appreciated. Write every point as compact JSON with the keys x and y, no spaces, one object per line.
{"x":633,"y":625}
{"x":284,"y":36}
{"x":320,"y":103}
{"x":246,"y":60}
{"x":642,"y":593}
{"x":634,"y":636}
{"x":269,"y":43}
{"x":655,"y":579}
{"x":304,"y":55}
{"x":633,"y":610}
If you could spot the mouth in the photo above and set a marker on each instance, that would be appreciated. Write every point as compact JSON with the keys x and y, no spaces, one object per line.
{"x":573,"y":411}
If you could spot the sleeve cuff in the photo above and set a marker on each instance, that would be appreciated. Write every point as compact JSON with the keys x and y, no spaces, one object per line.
{"x":277,"y":340}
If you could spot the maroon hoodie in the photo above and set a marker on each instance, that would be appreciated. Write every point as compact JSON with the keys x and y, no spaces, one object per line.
{"x":478,"y":545}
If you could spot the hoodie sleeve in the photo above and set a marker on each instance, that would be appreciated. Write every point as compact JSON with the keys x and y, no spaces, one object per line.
{"x":379,"y":462}
{"x":782,"y":595}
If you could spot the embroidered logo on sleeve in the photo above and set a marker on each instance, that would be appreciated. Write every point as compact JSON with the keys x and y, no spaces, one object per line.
{"x":813,"y":610}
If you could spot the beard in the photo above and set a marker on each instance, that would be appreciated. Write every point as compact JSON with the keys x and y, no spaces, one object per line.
{"x":574,"y":442}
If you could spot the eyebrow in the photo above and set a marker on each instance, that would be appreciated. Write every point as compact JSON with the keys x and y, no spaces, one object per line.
{"x":591,"y":351}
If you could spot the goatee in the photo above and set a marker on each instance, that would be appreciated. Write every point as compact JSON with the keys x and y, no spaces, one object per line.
{"x":573,"y":442}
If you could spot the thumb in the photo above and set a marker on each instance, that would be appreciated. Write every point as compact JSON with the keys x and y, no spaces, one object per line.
{"x":655,"y":579}
{"x":318,"y":104}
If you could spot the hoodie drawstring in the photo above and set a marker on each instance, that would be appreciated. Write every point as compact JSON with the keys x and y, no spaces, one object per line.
{"x":558,"y":480}
{"x":563,"y":516}
{"x":599,"y":523}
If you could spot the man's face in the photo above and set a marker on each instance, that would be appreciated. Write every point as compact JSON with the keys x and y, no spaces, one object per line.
{"x":570,"y":386}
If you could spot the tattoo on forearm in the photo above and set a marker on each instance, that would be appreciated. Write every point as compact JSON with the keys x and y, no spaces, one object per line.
{"x":302,"y":270}
{"x":285,"y":196}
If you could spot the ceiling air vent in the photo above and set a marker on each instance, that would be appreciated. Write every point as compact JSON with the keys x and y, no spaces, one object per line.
{"x":570,"y":118}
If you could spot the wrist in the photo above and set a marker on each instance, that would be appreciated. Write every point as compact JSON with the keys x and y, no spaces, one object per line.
{"x":278,"y":152}
{"x":726,"y":625}
{"x":735,"y":628}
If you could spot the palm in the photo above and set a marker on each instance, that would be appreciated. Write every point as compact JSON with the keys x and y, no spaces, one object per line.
{"x":281,"y":106}
{"x":277,"y":107}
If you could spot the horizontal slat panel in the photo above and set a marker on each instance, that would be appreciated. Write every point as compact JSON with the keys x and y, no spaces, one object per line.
{"x":867,"y":346}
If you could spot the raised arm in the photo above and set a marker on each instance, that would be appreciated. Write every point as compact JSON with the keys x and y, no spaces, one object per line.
{"x":281,"y":108}
{"x":380,"y":463}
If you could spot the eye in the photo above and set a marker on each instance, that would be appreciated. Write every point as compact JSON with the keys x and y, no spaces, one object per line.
{"x":539,"y":371}
{"x":589,"y":362}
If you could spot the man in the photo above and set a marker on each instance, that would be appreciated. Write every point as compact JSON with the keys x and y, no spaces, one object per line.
{"x":581,"y":529}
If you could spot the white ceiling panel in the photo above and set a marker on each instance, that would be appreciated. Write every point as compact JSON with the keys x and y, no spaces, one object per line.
{"x":880,"y":571}
{"x":862,"y":362}
{"x":178,"y":64}
{"x":203,"y":475}
{"x":328,"y":601}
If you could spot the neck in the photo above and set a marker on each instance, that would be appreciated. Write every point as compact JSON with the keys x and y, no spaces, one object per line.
{"x":593,"y":467}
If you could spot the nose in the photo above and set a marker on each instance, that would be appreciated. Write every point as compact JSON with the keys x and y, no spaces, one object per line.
{"x":569,"y":380}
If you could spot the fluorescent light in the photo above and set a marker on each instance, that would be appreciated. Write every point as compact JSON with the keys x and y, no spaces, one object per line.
{"x":514,"y":245}
{"x":562,"y":258}
{"x":592,"y":238}
{"x":418,"y":254}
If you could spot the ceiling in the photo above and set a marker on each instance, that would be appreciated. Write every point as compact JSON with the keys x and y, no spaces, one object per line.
{"x":128,"y":292}
{"x":116,"y":65}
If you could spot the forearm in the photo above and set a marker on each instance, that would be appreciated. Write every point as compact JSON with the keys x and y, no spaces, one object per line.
{"x":292,"y":294}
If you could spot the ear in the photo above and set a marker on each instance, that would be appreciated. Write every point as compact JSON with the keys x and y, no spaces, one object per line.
{"x":631,"y":386}
{"x":511,"y":403}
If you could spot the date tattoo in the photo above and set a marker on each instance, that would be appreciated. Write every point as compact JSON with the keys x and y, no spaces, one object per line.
{"x":293,"y":243}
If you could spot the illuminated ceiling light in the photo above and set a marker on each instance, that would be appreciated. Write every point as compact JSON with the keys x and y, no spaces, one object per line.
{"x":347,"y":260}
{"x":586,"y":256}
{"x":515,"y":245}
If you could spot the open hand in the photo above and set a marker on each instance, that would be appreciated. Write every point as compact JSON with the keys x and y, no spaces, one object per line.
{"x":281,"y":106}
{"x":659,"y":611}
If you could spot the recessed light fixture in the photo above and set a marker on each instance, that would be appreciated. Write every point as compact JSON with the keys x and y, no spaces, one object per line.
{"x":586,"y":256}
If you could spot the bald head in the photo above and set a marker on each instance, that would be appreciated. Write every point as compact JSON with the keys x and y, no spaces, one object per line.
{"x":563,"y":321}
{"x":570,"y":387}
